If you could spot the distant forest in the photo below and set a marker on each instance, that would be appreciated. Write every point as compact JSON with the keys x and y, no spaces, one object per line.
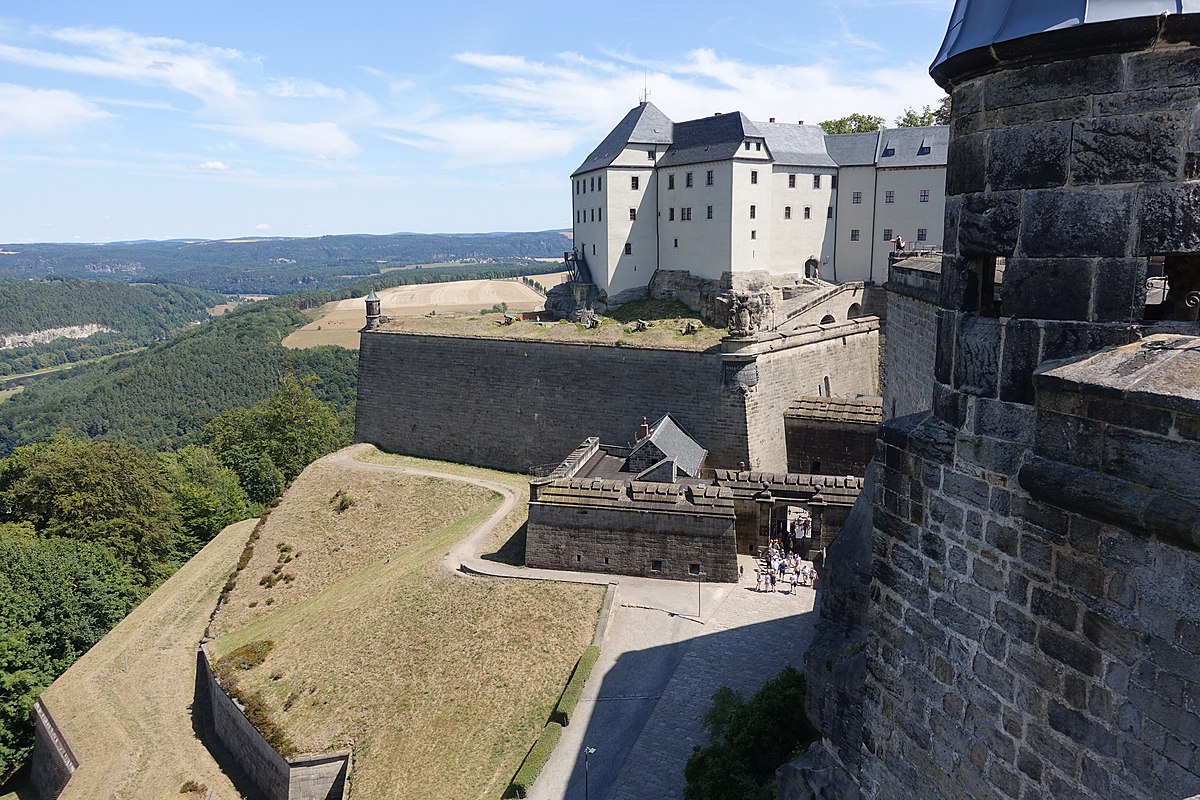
{"x":137,"y":314}
{"x":273,"y":265}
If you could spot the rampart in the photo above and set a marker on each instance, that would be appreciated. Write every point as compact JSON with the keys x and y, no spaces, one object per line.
{"x":518,"y":403}
{"x":53,"y":761}
{"x":322,"y":776}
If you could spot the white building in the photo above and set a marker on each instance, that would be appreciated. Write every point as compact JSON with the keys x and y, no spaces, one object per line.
{"x":725,"y":194}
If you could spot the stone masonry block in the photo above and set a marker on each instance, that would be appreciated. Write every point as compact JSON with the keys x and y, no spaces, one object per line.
{"x":1048,"y":288}
{"x":1059,"y":79}
{"x":1169,"y":215}
{"x":1066,"y":108}
{"x":1020,"y":357}
{"x":1065,"y":223}
{"x":1029,"y":156}
{"x":988,"y":224}
{"x":1143,"y":101}
{"x":1119,"y":290}
{"x":1127,"y":149}
{"x":1077,"y":654}
{"x":1059,"y":609}
{"x":1160,"y":69}
{"x":966,"y":164}
{"x":976,"y":355}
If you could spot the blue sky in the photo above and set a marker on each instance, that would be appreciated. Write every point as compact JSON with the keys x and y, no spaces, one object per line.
{"x":153,"y":120}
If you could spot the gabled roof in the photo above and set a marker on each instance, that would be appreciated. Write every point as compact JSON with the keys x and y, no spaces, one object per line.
{"x":796,"y":145}
{"x":713,"y":138}
{"x":913,"y":147}
{"x":674,"y":443}
{"x":644,"y":124}
{"x":853,"y":149}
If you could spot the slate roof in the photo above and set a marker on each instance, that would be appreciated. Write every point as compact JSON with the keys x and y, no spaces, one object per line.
{"x":713,"y":138}
{"x":984,"y":22}
{"x":644,"y":124}
{"x":908,"y":146}
{"x":853,"y":149}
{"x":675,"y":444}
{"x":853,"y":410}
{"x":798,"y":145}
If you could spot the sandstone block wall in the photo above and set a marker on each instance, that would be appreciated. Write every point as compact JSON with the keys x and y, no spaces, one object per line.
{"x":53,"y":761}
{"x":839,"y":448}
{"x":629,"y":542}
{"x":910,"y":339}
{"x":517,"y":404}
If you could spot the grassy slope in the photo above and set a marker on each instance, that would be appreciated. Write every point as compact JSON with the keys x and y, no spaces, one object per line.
{"x":439,"y":680}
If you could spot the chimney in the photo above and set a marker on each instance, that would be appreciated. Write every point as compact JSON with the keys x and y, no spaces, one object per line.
{"x":772,"y":119}
{"x":801,"y":122}
{"x":644,"y":430}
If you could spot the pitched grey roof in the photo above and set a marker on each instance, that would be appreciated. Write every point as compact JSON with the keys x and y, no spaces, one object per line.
{"x":913,"y":147}
{"x":853,"y":149}
{"x":676,"y":445}
{"x":798,"y":145}
{"x":713,"y":138}
{"x":984,"y":22}
{"x":644,"y":124}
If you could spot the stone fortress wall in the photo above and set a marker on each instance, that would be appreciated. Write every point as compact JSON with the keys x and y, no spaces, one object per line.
{"x":515,"y":404}
{"x":910,"y":335}
{"x":1013,"y":610}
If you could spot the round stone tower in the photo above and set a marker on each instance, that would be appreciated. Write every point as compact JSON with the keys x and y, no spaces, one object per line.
{"x":372,"y":310}
{"x":1072,"y":205}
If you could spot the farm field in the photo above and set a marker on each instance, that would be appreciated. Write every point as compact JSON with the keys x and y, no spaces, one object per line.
{"x":338,"y":322}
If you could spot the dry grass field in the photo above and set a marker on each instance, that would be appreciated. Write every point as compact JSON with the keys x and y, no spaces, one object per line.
{"x":338,"y":322}
{"x":440,"y":681}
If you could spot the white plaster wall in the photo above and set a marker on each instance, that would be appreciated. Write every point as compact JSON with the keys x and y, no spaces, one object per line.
{"x":853,"y":259}
{"x":623,"y":271}
{"x":704,"y":244}
{"x":908,"y":213}
{"x":747,"y":253}
{"x":795,"y":240}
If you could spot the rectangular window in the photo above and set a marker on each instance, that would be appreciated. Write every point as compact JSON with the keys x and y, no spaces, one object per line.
{"x":576,"y":186}
{"x":754,"y":176}
{"x":829,"y":212}
{"x":808,"y":212}
{"x":924,"y":195}
{"x":710,"y":212}
{"x":600,"y":215}
{"x":889,"y":196}
{"x":650,"y":154}
{"x":593,"y":249}
{"x":629,"y":248}
{"x":747,"y":145}
{"x":600,"y":183}
{"x":670,"y":214}
{"x":688,"y":180}
{"x":633,"y":215}
{"x":633,"y":183}
{"x":792,"y":181}
{"x":816,"y":181}
{"x":670,"y":181}
{"x":887,"y":234}
{"x":687,"y":214}
{"x":854,"y":234}
{"x":787,"y":212}
{"x":677,"y":243}
{"x":922,"y":234}
{"x":576,"y":217}
{"x":753,"y":234}
{"x":856,"y":198}
{"x":708,"y":179}
{"x":758,"y":146}
{"x":656,"y":566}
{"x":753,"y":212}
{"x":593,"y":184}
{"x":593,"y":215}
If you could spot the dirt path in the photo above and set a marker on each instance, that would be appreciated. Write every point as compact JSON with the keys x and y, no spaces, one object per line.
{"x":125,"y":706}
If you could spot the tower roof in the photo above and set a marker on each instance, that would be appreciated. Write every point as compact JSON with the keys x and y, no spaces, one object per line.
{"x":644,"y":124}
{"x":981,"y":23}
{"x":714,"y":138}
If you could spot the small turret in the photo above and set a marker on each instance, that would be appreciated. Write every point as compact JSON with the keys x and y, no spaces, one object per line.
{"x":372,"y":310}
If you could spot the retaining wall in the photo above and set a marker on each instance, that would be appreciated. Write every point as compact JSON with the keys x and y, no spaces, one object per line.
{"x":53,"y":761}
{"x":307,"y":777}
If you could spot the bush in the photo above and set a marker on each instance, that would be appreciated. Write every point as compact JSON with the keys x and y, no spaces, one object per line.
{"x":749,"y":740}
{"x":534,"y":761}
{"x":574,"y":689}
{"x":247,"y":656}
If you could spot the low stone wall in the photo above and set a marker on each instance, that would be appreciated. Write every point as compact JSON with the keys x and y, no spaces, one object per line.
{"x":910,"y":337}
{"x":308,"y":777}
{"x":53,"y":761}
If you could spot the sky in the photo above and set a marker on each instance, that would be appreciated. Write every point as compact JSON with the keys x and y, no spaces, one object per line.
{"x":132,"y":119}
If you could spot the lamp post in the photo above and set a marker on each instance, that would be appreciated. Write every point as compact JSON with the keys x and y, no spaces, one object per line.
{"x":587,"y":752}
{"x":699,"y":576}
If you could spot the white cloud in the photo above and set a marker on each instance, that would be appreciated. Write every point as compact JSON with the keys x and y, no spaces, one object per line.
{"x":317,"y":139}
{"x":295,"y":87}
{"x":44,"y":111}
{"x":214,"y":166}
{"x":262,"y":226}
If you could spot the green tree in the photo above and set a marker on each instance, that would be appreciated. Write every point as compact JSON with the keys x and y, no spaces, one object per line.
{"x":206,"y":494}
{"x":855,"y":123}
{"x":941,"y":114}
{"x":283,"y":433}
{"x":107,"y":493}
{"x":749,"y":740}
{"x":915,"y":119}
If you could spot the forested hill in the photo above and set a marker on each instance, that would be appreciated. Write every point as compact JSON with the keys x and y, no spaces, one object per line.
{"x":271,"y":265}
{"x":161,"y":397}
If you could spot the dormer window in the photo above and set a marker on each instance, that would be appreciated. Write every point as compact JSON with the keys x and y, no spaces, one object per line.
{"x":923,"y":150}
{"x":888,"y":151}
{"x":747,"y":145}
